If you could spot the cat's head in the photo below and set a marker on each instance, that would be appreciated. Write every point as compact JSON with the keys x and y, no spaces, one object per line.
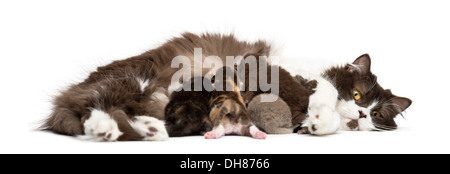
{"x":363,"y":104}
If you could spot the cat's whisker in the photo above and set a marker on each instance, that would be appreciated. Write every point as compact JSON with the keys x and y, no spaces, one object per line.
{"x":384,"y":127}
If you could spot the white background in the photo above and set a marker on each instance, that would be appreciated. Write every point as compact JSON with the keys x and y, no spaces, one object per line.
{"x":47,"y":45}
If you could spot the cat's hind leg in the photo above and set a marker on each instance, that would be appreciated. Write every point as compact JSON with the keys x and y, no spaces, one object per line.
{"x":100,"y":126}
{"x":217,"y":132}
{"x":256,"y":133}
{"x":149,"y":128}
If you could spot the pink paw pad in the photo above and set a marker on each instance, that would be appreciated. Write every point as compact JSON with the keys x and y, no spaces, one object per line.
{"x":105,"y":136}
{"x":152,"y":132}
{"x":210,"y":135}
{"x":260,"y":135}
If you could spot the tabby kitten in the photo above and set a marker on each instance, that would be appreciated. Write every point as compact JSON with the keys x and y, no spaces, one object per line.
{"x":228,"y":112}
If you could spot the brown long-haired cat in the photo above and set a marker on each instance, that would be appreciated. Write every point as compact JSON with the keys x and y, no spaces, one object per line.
{"x":125,"y":100}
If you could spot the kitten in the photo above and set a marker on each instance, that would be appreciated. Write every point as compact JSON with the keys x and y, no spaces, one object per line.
{"x":349,"y":97}
{"x":290,"y":89}
{"x":188,"y":111}
{"x":228,"y":112}
{"x":118,"y":102}
{"x":271,"y":117}
{"x":275,"y":117}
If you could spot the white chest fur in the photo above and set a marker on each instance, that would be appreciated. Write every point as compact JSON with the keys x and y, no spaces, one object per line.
{"x":323,"y":118}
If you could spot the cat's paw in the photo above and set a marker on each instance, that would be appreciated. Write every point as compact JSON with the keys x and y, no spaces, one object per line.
{"x":256,"y":133}
{"x":260,"y":135}
{"x":149,"y":128}
{"x":322,"y":120}
{"x":100,"y":127}
{"x":210,"y":135}
{"x":303,"y":130}
{"x":217,"y":132}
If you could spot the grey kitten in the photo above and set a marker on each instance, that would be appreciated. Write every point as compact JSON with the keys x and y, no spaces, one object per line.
{"x":275,"y":117}
{"x":271,"y":117}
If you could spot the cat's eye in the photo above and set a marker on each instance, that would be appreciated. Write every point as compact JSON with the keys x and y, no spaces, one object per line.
{"x":375,"y":114}
{"x":356,"y":94}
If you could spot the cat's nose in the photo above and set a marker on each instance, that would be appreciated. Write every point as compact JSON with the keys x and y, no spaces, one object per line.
{"x":362,"y":114}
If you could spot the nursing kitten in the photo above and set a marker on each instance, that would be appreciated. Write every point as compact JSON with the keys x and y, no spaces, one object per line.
{"x":290,"y":90}
{"x":349,"y":97}
{"x":119,"y":102}
{"x":188,"y":111}
{"x":271,"y":117}
{"x":228,"y":112}
{"x":275,"y":117}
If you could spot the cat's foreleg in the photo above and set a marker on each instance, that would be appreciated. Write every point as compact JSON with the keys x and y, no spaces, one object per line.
{"x":100,"y":126}
{"x":322,"y":117}
{"x":322,"y":120}
{"x":149,"y":128}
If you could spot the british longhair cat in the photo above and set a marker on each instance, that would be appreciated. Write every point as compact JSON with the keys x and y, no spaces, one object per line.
{"x":349,"y":97}
{"x":125,"y":100}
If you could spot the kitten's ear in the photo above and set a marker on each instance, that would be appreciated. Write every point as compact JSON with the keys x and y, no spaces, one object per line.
{"x":401,"y":102}
{"x":361,"y":64}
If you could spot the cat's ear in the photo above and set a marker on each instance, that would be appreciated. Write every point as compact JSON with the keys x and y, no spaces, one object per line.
{"x":401,"y":103}
{"x":361,"y":64}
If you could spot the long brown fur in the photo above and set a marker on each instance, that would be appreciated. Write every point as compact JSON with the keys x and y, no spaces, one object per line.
{"x":114,"y":89}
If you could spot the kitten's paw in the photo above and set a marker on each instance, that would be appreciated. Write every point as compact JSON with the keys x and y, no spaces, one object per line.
{"x":150,"y":128}
{"x":322,"y":120}
{"x":217,"y":132}
{"x":100,"y":127}
{"x":260,"y":135}
{"x":256,"y":133}
{"x":303,"y":130}
{"x":210,"y":135}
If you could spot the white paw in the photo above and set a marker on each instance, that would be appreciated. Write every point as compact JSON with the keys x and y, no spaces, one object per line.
{"x":100,"y":127}
{"x":322,"y":120}
{"x":150,"y":128}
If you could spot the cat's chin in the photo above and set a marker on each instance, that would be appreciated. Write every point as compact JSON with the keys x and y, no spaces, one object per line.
{"x":363,"y":124}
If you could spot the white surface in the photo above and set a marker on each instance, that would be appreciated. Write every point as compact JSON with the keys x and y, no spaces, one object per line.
{"x":46,"y":45}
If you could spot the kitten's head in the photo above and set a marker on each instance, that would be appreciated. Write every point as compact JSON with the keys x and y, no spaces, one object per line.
{"x":363,"y":104}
